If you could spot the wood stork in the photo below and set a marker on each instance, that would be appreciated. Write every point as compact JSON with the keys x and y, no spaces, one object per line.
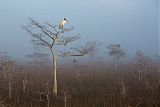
{"x":62,"y":23}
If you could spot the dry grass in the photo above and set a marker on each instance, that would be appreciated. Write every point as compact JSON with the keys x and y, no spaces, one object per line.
{"x":86,"y":86}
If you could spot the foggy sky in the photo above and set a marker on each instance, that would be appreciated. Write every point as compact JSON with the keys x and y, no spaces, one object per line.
{"x":132,"y":23}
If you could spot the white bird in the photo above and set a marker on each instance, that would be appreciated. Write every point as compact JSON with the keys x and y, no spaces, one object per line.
{"x":62,"y":23}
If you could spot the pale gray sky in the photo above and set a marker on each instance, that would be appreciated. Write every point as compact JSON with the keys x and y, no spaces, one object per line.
{"x":132,"y":23}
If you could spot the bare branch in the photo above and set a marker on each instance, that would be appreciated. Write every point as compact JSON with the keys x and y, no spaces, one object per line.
{"x":48,"y":34}
{"x":38,"y":58}
{"x":115,"y":50}
{"x":66,"y":40}
{"x":61,"y":31}
{"x":37,"y":37}
{"x":43,"y":28}
{"x":54,"y":27}
{"x":89,"y":48}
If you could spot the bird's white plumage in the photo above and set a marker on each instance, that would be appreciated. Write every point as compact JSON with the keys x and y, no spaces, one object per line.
{"x":62,"y":23}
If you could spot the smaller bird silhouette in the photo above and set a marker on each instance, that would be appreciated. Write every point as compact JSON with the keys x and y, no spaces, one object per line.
{"x":62,"y":23}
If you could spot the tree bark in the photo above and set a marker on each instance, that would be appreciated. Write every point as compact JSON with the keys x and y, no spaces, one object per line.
{"x":65,"y":101}
{"x":10,"y":90}
{"x":159,"y":77}
{"x":4,"y":74}
{"x":54,"y":72}
{"x":115,"y":63}
{"x":24,"y":84}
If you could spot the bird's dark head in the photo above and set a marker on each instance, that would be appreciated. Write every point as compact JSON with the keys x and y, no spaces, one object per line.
{"x":65,"y":20}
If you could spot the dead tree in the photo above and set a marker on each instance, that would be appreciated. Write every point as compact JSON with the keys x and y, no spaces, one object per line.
{"x":24,"y":84}
{"x":11,"y":67}
{"x":49,"y":36}
{"x":158,"y":56}
{"x":159,"y":76}
{"x":116,"y":52}
{"x":88,"y":49}
{"x":8,"y":66}
{"x":38,"y":58}
{"x":4,"y":63}
{"x":48,"y":93}
{"x":66,"y":97}
{"x":123,"y":87}
{"x":142,"y":64}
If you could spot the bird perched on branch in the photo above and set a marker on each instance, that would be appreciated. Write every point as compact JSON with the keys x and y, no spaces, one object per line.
{"x":62,"y":23}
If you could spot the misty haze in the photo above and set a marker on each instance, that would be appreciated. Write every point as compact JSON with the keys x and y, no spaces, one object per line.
{"x":86,"y":53}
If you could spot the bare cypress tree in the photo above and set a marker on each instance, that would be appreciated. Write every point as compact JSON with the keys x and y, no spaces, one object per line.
{"x":7,"y":65}
{"x":142,"y":64}
{"x":11,"y":66}
{"x":88,"y":49}
{"x":4,"y":63}
{"x":116,"y":52}
{"x":66,"y":97}
{"x":158,"y":56}
{"x":49,"y":36}
{"x":38,"y":58}
{"x":24,"y":84}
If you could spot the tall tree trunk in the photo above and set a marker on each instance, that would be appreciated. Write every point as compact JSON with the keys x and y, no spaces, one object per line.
{"x":159,"y":77}
{"x":4,"y":74}
{"x":65,"y":101}
{"x":24,"y":84}
{"x":9,"y":86}
{"x":139,"y":78}
{"x":47,"y":91}
{"x":115,"y":63}
{"x":10,"y":89}
{"x":54,"y":72}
